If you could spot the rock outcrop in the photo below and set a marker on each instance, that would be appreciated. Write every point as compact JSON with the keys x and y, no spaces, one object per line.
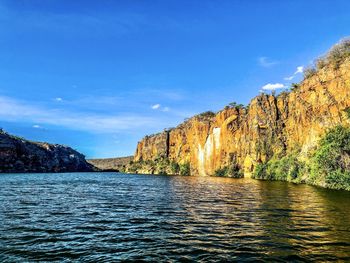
{"x":111,"y":164}
{"x":20,"y":155}
{"x":247,"y":136}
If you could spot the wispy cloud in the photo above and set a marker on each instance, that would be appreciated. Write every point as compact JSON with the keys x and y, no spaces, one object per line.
{"x":19,"y":111}
{"x":58,"y":99}
{"x":39,"y":127}
{"x":266,"y":62}
{"x":289,"y":78}
{"x":273,"y":86}
{"x":159,"y":107}
{"x":155,"y":106}
{"x":299,"y":70}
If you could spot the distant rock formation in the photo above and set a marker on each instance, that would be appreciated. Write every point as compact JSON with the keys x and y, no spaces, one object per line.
{"x":19,"y":155}
{"x":111,"y":164}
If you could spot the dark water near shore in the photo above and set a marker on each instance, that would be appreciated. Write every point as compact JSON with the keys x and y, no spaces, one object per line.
{"x":115,"y":217}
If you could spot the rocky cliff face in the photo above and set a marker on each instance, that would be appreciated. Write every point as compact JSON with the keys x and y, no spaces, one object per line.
{"x":247,"y":136}
{"x":20,"y":155}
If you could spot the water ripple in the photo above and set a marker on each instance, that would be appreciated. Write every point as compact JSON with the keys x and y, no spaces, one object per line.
{"x":114,"y":217}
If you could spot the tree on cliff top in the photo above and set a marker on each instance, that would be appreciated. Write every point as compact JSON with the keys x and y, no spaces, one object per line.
{"x":204,"y":115}
{"x":235,"y":105}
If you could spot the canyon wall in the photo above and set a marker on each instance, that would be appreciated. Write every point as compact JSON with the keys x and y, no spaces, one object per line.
{"x":247,"y":136}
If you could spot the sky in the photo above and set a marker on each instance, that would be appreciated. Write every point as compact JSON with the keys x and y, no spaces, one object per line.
{"x":100,"y":75}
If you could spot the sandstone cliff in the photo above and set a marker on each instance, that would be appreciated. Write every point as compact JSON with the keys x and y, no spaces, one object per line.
{"x":247,"y":136}
{"x":20,"y":155}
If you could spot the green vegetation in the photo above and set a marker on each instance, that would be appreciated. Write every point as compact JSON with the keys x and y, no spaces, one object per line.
{"x":294,"y":86}
{"x":347,"y":111}
{"x":235,"y":105}
{"x":206,"y":115}
{"x":160,"y":165}
{"x":229,"y":171}
{"x":175,"y":168}
{"x":309,"y":72}
{"x":337,"y":54}
{"x":287,"y":168}
{"x":185,"y":169}
{"x":328,"y":165}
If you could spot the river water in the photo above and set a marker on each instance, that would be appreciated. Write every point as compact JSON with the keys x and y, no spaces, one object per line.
{"x":116,"y":217}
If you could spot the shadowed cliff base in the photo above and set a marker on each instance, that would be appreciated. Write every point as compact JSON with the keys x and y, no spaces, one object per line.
{"x":111,"y":164}
{"x":248,"y":140}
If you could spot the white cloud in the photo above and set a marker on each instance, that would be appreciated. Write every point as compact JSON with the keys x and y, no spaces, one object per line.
{"x":289,"y":78}
{"x":19,"y":111}
{"x":266,"y":63}
{"x":58,"y":99}
{"x":274,"y":86}
{"x":155,"y":106}
{"x":299,"y":70}
{"x":165,"y":109}
{"x":36,"y":126}
{"x":159,"y":107}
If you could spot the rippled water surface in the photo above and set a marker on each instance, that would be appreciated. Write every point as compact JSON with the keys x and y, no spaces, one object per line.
{"x":116,"y":217}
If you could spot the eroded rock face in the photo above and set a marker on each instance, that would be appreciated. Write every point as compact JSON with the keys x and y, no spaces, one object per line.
{"x":269,"y":125}
{"x":20,"y":155}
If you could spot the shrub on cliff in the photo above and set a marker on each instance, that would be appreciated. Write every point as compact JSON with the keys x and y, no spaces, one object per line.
{"x":335,"y":56}
{"x":175,"y":168}
{"x":235,"y":105}
{"x":294,"y":86}
{"x":309,"y":72}
{"x":185,"y":169}
{"x":286,"y":168}
{"x":338,"y":53}
{"x":205,"y":115}
{"x":330,"y":165}
{"x":229,"y":171}
{"x":347,"y":112}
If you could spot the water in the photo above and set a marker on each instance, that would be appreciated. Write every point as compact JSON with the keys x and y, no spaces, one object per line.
{"x":116,"y":217}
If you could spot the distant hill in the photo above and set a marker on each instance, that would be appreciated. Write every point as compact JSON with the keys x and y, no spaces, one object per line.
{"x":21,"y":155}
{"x":111,"y":164}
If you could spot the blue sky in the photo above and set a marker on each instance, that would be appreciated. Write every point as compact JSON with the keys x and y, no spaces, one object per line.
{"x":99,"y":75}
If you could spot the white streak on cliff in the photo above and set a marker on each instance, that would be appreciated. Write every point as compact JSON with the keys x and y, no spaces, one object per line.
{"x":201,"y":169}
{"x":216,"y":133}
{"x":208,"y":148}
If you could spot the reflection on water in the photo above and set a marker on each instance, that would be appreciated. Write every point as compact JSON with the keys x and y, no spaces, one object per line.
{"x":106,"y":217}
